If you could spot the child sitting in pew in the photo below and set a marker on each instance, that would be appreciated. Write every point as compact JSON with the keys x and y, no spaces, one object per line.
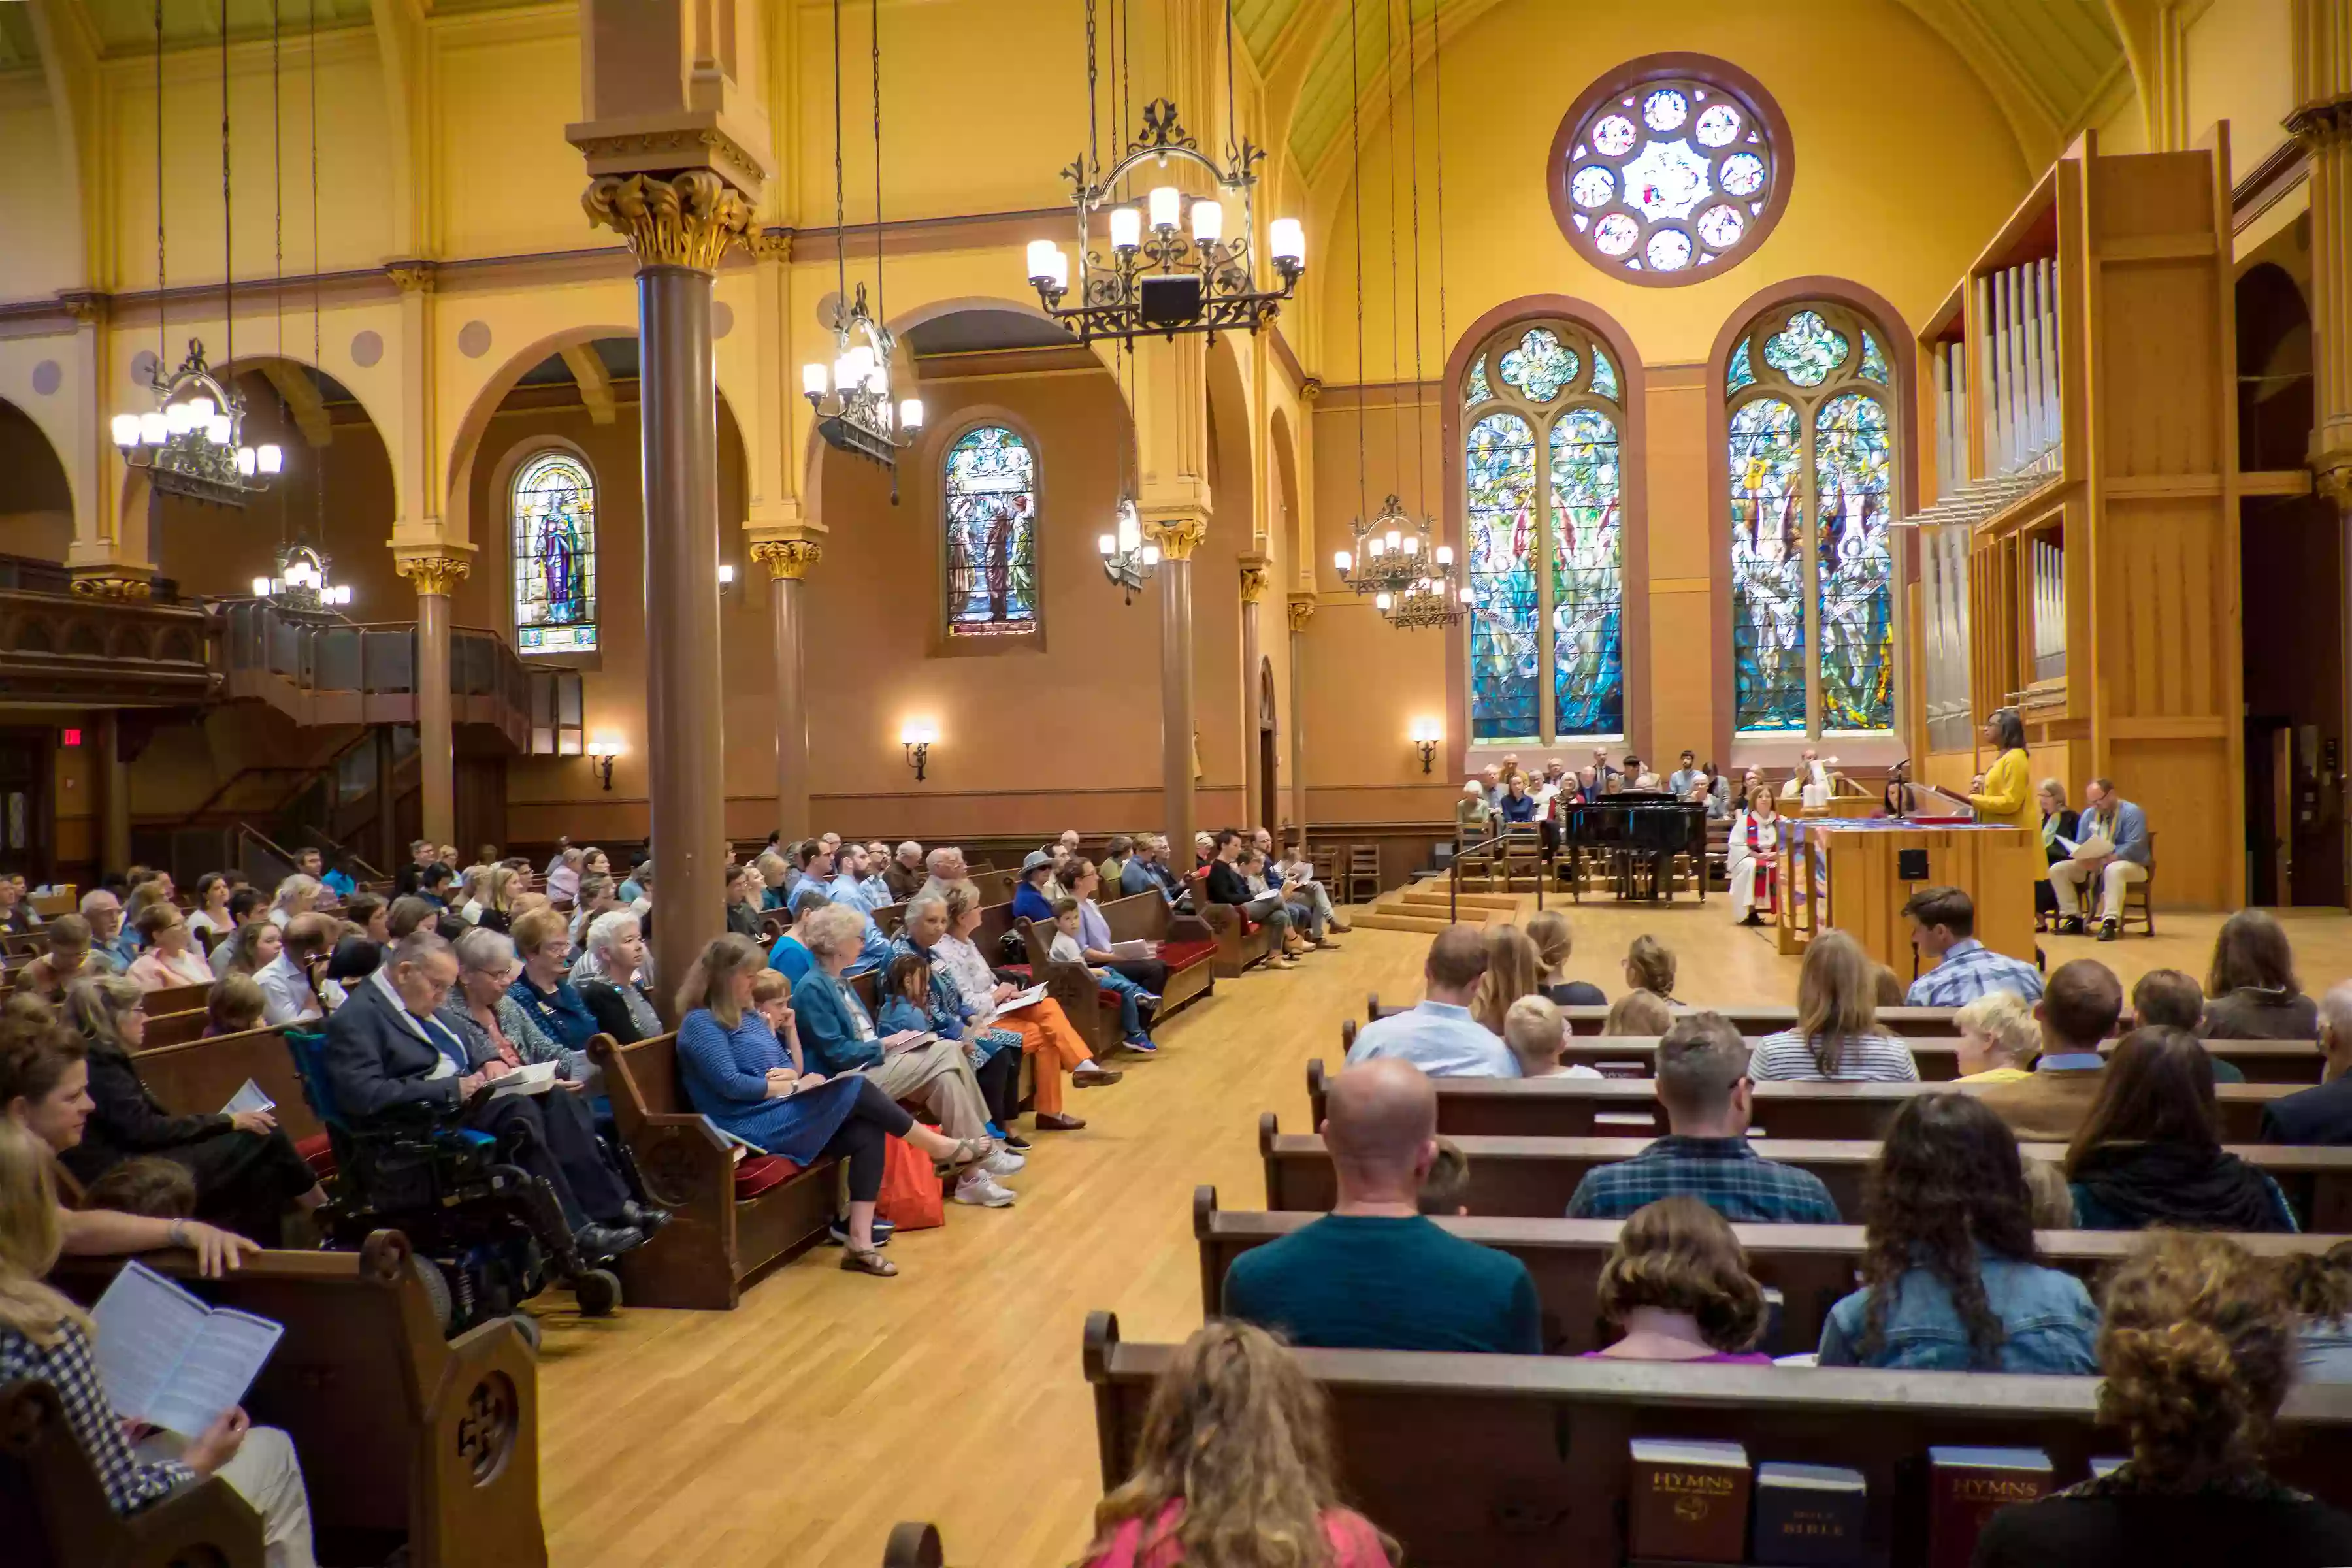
{"x":1650,"y":966}
{"x":46,"y":1337}
{"x":1537,"y":1035}
{"x":914,"y":999}
{"x":1640,"y":1013}
{"x":1235,"y":1465}
{"x":1677,"y":1285}
{"x":233,"y":1005}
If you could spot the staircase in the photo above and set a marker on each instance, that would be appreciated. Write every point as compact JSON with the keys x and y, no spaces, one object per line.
{"x":1423,"y":907}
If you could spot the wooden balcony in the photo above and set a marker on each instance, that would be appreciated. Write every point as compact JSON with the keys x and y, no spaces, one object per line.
{"x":59,"y":648}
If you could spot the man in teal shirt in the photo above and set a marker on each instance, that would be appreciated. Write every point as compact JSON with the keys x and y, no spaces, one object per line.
{"x":1373,"y":1274}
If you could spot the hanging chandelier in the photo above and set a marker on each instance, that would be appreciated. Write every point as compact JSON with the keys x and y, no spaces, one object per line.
{"x":190,"y":444}
{"x":1128,"y":558}
{"x":300,"y":583}
{"x":1169,"y":270}
{"x":851,"y":395}
{"x":1395,"y":560}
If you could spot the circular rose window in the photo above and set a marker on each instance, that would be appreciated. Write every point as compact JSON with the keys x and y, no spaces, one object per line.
{"x":1670,"y":168}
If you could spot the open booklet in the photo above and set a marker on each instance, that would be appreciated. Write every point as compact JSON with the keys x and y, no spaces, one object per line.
{"x":906,"y":1040}
{"x":1020,"y":999}
{"x":165,"y":1358}
{"x":249,"y":1098}
{"x":537,"y":1078}
{"x":1129,"y":950}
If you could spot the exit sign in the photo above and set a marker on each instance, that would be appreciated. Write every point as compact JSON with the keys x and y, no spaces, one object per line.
{"x":70,"y":737}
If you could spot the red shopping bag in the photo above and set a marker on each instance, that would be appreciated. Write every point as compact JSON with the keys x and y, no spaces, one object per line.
{"x":910,"y":1197}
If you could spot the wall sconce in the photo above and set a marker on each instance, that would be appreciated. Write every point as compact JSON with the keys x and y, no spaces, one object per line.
{"x":601,"y":752}
{"x":726,"y":575}
{"x":916,"y":737}
{"x":1426,"y":734}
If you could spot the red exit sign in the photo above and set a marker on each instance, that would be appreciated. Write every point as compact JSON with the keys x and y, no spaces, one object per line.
{"x":70,"y":737}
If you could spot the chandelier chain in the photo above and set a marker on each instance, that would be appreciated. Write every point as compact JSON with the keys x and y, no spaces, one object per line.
{"x":1396,"y":368}
{"x":1356,"y":194}
{"x":318,"y":464}
{"x":1437,"y":127}
{"x":1094,"y":134}
{"x":162,"y":293}
{"x":228,"y":213}
{"x":881,"y":293}
{"x":1233,"y":135}
{"x":840,"y":200}
{"x":1413,"y":109}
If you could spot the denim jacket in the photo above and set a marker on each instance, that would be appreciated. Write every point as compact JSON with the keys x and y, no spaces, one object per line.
{"x":2050,"y":1321}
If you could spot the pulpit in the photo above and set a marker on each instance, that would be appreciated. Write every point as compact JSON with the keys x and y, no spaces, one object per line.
{"x":1855,"y":875}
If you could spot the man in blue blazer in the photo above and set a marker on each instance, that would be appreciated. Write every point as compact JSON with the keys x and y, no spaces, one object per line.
{"x":2105,"y":815}
{"x":385,"y":1051}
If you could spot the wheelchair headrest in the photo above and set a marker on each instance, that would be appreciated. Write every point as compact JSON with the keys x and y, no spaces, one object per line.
{"x":308,"y":1049}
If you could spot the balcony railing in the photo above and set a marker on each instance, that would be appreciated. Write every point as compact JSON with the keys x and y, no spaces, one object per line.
{"x":319,"y":670}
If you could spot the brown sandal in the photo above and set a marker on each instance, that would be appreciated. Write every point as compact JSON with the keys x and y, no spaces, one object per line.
{"x":868,"y":1261}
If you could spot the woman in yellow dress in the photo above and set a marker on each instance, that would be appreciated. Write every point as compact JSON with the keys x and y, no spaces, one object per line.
{"x":2004,"y":793}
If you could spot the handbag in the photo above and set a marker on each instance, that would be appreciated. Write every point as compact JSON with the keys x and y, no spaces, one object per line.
{"x":910,"y":1198}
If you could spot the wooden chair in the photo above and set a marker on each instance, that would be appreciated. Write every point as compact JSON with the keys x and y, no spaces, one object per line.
{"x":407,"y":1437}
{"x":1813,"y":1266}
{"x":54,"y":1512}
{"x":1490,"y":1461}
{"x":1324,"y":858}
{"x":2139,"y":897}
{"x":1363,"y":881}
{"x":730,"y":1220}
{"x":1535,"y":1177}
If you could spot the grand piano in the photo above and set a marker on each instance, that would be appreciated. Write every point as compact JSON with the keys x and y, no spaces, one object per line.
{"x":1636,"y":838}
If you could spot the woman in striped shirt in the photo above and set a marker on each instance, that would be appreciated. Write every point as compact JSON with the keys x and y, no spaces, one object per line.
{"x":1837,"y":1034}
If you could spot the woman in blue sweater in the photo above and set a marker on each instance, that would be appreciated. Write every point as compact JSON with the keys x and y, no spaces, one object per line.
{"x":745,"y":1077}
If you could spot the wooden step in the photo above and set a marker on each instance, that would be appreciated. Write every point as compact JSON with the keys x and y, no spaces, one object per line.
{"x":1382,"y":918}
{"x":1481,"y":900}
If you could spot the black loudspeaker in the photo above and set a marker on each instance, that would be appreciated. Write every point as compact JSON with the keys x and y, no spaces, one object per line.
{"x":1910,"y":865}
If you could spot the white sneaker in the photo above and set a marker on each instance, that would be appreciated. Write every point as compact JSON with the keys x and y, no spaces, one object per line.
{"x":1004,"y":1162}
{"x":981,"y":1189}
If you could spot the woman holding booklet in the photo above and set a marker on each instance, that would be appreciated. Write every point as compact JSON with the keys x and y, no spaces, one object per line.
{"x":45,"y":1338}
{"x":747,"y":1077}
{"x":1047,"y":1036}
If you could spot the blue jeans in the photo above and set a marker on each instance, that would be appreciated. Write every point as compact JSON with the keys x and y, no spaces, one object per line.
{"x":1130,"y":1015}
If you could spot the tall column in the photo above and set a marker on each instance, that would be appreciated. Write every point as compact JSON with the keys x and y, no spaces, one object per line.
{"x":1302,"y":610}
{"x":1259,"y":811}
{"x":679,"y":227}
{"x":1177,"y":537}
{"x":788,"y":561}
{"x":433,"y":576}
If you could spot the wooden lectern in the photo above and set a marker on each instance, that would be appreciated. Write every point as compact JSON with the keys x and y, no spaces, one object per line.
{"x":1849,"y":874}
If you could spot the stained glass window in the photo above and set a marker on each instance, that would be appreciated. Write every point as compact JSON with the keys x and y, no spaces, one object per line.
{"x":991,"y":552}
{"x":1671,"y":177}
{"x":1811,"y":458}
{"x":554,"y":517}
{"x":1546,"y":538}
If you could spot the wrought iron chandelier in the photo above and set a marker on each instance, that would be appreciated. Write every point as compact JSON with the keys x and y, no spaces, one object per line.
{"x":1394,"y":550}
{"x":189,"y":443}
{"x":851,"y":395}
{"x":1128,"y":558}
{"x":1168,"y":270}
{"x":300,"y":583}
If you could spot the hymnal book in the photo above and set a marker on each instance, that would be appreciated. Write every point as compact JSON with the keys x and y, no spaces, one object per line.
{"x":165,"y":1358}
{"x":736,"y":1147}
{"x":1639,"y":1120}
{"x":1809,"y":1516}
{"x":1020,"y":999}
{"x":1688,"y":1500}
{"x":1132,"y":951}
{"x":905,"y":1040}
{"x":537,"y":1078}
{"x":1967,"y":1486}
{"x":249,"y":1098}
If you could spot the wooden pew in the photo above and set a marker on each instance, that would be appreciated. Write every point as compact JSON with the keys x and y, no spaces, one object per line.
{"x":1478,"y":1461}
{"x":1141,"y":917}
{"x":1620,"y":1107}
{"x":729,"y":1222}
{"x":173,"y":1029}
{"x":1536,"y":1177}
{"x":54,"y":1512}
{"x":1237,"y":949}
{"x":176,"y":999}
{"x":205,"y":1075}
{"x":403,"y":1436}
{"x":2295,"y":1062}
{"x":1811,"y":1265}
{"x":1093,"y":1010}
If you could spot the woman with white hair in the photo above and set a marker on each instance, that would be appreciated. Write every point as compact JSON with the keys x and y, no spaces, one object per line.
{"x":487,"y":1018}
{"x":296,"y":895}
{"x":617,"y":995}
{"x":1470,"y":813}
{"x":563,"y":876}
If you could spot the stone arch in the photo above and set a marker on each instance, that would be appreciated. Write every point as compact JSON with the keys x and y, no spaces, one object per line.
{"x":36,"y":505}
{"x":465,"y":447}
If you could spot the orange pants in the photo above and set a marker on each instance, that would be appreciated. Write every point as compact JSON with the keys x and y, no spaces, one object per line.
{"x":1047,"y":1033}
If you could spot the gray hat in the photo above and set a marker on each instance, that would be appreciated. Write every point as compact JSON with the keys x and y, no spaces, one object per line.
{"x":1036,"y":858}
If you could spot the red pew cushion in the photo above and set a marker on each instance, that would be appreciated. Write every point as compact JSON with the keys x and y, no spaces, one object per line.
{"x":757,"y":1173}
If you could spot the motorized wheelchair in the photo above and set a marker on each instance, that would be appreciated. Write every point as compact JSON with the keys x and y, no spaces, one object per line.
{"x":487,"y":1234}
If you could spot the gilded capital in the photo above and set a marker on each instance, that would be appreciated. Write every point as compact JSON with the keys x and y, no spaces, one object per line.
{"x":1254,"y":579}
{"x":770,"y":244}
{"x":410,"y":277}
{"x":2318,"y":124}
{"x":1302,"y":610}
{"x":787,"y":558}
{"x":86,"y":307}
{"x":113,"y":583}
{"x":1176,"y":536}
{"x":686,"y":220}
{"x":433,"y":573}
{"x":1311,"y":388}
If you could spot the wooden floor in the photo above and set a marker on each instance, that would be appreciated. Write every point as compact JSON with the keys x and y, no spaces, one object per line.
{"x":794,"y":1432}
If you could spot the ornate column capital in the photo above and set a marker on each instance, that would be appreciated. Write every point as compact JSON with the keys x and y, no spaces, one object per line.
{"x":1177,"y":535}
{"x":1255,"y":567}
{"x":86,"y":307}
{"x":1310,"y":389}
{"x":113,"y":583}
{"x":686,"y":220}
{"x":787,"y":559}
{"x":2326,"y":120}
{"x":411,"y":277}
{"x":770,"y":244}
{"x":432,"y":572}
{"x":1302,"y":610}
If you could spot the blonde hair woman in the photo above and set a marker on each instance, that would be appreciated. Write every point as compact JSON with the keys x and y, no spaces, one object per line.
{"x":1837,"y":1034}
{"x":2000,"y":1037}
{"x":296,"y":895}
{"x":1549,"y":930}
{"x":1513,"y":971}
{"x":45,"y":1338}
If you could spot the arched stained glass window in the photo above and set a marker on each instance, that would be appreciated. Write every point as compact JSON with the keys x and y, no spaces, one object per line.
{"x":1811,"y":458}
{"x":554,"y":519}
{"x":1545,"y":531}
{"x":991,"y":510}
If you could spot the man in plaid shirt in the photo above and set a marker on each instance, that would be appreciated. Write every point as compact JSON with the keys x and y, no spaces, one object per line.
{"x":1704,"y":1085}
{"x":1944,"y":927}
